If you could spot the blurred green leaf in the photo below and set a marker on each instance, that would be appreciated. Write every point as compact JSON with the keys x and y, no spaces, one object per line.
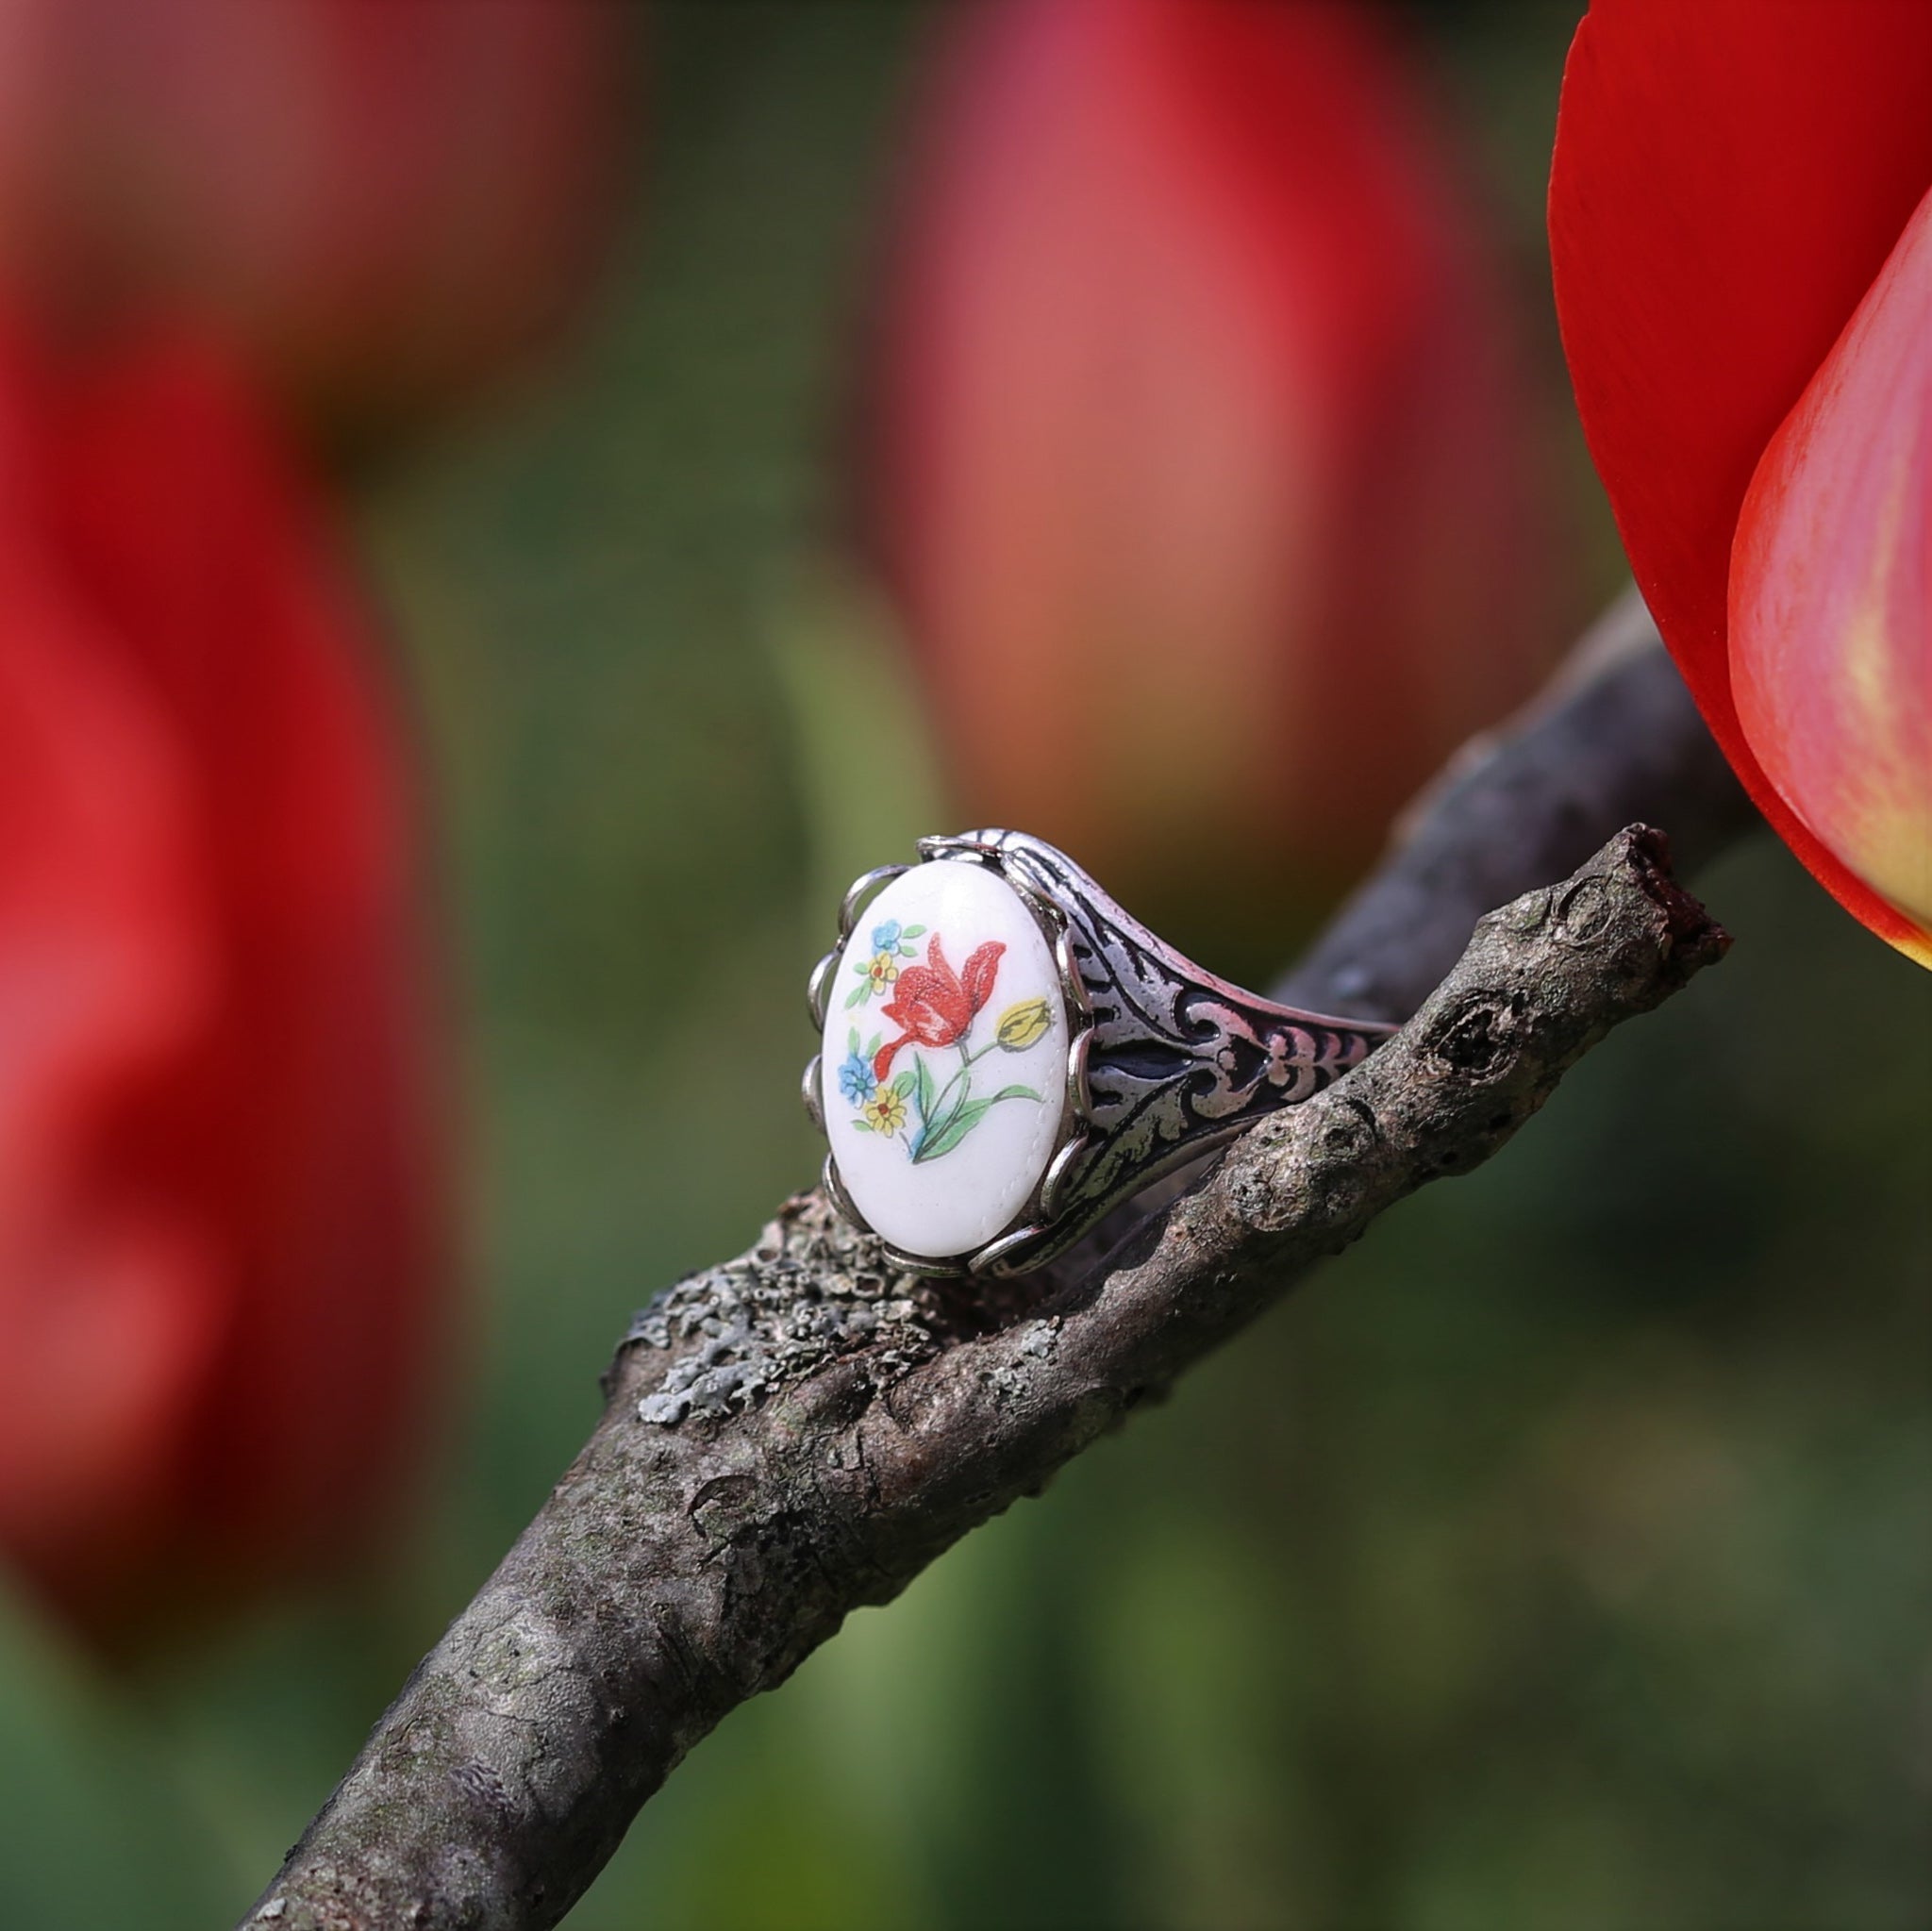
{"x":93,"y":1830}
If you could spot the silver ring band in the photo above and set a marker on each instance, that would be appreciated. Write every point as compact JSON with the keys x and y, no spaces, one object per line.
{"x":1135,"y":1059}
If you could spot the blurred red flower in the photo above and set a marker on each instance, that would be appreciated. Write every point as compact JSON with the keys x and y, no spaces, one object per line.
{"x":386,"y":201}
{"x":1742,"y":247}
{"x":1197,"y":444}
{"x":221,"y":1237}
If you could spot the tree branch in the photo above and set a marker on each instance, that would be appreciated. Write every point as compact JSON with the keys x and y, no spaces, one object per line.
{"x":800,"y":1431}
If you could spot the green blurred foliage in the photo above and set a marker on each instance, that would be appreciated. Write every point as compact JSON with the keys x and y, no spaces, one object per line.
{"x":1560,"y":1559}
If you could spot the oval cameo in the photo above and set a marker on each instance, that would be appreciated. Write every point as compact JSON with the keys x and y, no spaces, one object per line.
{"x":944,"y":1073}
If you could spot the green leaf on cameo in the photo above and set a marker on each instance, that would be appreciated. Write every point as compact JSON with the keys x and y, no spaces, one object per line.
{"x":964,"y":1118}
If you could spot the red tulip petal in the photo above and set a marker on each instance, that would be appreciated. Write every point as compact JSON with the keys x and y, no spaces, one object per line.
{"x":274,"y":1156}
{"x":1831,"y":601}
{"x":978,"y":978}
{"x":1730,"y":176}
{"x":929,"y":1005}
{"x":1193,"y":383}
{"x":109,"y":1317}
{"x":310,"y":1125}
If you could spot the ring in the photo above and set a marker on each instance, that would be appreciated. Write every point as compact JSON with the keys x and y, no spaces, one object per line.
{"x":1006,"y":1055}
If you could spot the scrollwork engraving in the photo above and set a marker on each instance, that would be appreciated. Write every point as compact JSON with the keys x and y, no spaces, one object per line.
{"x":1178,"y":1061}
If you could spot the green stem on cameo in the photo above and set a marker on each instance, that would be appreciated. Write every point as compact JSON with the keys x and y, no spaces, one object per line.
{"x":944,"y":1127}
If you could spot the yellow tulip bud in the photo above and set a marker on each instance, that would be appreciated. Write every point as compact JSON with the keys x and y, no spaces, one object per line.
{"x":1021,"y":1025}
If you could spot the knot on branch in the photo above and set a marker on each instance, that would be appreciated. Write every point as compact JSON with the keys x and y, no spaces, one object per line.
{"x":1305,"y":1168}
{"x":1477,"y":1035}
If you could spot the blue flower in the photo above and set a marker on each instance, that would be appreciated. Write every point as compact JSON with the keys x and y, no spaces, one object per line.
{"x":886,"y":938}
{"x":854,"y":1078}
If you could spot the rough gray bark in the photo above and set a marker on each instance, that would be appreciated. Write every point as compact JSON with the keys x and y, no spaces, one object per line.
{"x":800,"y":1431}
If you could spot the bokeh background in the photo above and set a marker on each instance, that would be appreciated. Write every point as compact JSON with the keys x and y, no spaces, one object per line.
{"x":1560,"y":1556}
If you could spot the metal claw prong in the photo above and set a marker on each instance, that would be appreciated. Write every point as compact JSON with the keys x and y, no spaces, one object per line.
{"x":835,"y":1189}
{"x":861,"y":893}
{"x":817,"y":988}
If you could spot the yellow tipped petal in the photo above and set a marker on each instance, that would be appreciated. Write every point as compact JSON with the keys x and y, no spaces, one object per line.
{"x":1831,"y":602}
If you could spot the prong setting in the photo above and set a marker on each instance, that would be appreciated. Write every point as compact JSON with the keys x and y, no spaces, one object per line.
{"x":818,"y":990}
{"x":860,"y":894}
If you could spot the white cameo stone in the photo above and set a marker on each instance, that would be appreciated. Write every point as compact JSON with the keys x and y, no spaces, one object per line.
{"x":941,"y":1145}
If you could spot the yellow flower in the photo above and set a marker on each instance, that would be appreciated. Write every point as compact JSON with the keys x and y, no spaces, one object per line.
{"x":885,"y":1110}
{"x":1021,"y":1025}
{"x":882,"y":971}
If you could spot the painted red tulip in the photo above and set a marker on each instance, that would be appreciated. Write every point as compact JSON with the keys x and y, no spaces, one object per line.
{"x":388,"y":201}
{"x":1198,"y":447}
{"x":221,"y":1230}
{"x":1738,"y":226}
{"x":933,"y":1006}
